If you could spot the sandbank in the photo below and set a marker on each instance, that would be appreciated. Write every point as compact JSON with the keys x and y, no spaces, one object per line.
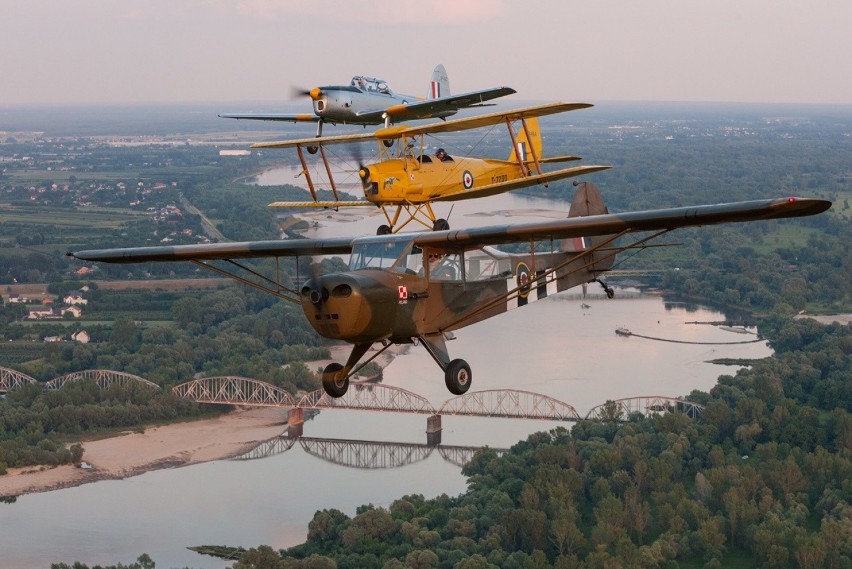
{"x":167,"y":446}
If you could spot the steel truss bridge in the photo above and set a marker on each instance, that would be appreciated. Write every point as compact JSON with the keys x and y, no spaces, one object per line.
{"x":11,"y":379}
{"x":233,"y":390}
{"x":368,"y":455}
{"x":506,"y":403}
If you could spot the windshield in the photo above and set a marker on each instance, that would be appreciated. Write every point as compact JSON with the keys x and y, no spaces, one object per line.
{"x":381,"y":254}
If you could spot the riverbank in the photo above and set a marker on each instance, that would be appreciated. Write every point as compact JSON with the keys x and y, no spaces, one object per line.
{"x":168,"y":446}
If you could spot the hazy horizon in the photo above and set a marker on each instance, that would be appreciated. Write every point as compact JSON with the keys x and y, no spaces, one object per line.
{"x":155,"y":51}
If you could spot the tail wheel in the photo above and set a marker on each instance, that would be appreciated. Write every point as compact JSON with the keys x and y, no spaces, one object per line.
{"x":458,"y":377}
{"x":334,"y":382}
{"x":440,"y":225}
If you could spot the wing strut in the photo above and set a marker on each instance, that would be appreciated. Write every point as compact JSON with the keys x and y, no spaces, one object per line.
{"x":267,"y":285}
{"x":306,"y":171}
{"x":544,"y":275}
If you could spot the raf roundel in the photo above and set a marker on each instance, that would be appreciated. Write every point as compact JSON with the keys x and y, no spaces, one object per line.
{"x":523,"y":279}
{"x":467,"y":179}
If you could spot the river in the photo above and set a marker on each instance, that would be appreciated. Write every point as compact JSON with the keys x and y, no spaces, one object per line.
{"x":557,"y":347}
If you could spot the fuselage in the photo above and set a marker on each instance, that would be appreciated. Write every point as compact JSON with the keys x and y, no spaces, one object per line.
{"x":396,"y":292}
{"x":422,"y":179}
{"x":341,"y":104}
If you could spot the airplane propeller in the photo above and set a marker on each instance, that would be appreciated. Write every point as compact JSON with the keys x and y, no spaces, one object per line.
{"x":299,"y":92}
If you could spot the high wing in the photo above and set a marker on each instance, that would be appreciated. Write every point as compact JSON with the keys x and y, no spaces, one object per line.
{"x":462,"y":239}
{"x":429,"y":108}
{"x":531,"y":180}
{"x":398,"y":131}
{"x":616,"y":223}
{"x":220,"y":251}
{"x":301,"y":117}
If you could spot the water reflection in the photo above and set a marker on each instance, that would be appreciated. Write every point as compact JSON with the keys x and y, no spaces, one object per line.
{"x":366,"y":455}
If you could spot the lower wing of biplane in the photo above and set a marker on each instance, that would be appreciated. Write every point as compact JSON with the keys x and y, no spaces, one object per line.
{"x":394,"y":294}
{"x":407,"y":180}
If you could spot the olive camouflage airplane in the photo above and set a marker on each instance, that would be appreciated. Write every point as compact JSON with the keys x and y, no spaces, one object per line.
{"x":407,"y":179}
{"x":420,"y":287}
{"x":369,"y":101}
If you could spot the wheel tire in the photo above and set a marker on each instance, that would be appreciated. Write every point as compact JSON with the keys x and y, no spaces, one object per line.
{"x":313,"y":149}
{"x":384,"y":230}
{"x":458,"y":377}
{"x":332,"y":383}
{"x":440,"y":225}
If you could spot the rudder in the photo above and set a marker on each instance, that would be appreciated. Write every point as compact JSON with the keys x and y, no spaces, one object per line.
{"x":440,"y":84}
{"x":525,"y":146}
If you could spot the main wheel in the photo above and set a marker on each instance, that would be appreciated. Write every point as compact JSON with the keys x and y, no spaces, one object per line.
{"x":458,"y":377}
{"x":440,"y":225}
{"x":384,"y":230}
{"x":333,"y":382}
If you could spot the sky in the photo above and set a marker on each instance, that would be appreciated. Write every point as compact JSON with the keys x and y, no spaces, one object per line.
{"x":59,"y":52}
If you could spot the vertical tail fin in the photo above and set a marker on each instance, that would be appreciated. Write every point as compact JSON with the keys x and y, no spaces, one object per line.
{"x":587,"y":201}
{"x":440,"y":84}
{"x":524,"y":146}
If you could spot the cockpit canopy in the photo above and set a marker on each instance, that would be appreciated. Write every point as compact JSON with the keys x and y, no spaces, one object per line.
{"x":383,"y":252}
{"x":371,"y":84}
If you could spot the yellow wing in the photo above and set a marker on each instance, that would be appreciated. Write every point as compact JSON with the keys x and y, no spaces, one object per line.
{"x":532,"y":180}
{"x":327,"y":205}
{"x":399,"y":131}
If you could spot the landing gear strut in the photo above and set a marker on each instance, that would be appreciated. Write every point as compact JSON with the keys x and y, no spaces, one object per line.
{"x":457,"y":375}
{"x":607,"y":289}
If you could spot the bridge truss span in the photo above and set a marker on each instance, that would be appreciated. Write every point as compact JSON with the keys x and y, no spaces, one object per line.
{"x":11,"y":379}
{"x":103,"y":377}
{"x":370,"y":397}
{"x":621,"y":409}
{"x":510,"y":403}
{"x":234,"y":390}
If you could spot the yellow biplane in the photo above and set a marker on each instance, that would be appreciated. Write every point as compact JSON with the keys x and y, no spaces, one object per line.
{"x":408,"y":177}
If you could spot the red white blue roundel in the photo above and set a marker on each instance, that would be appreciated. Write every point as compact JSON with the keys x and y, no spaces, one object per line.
{"x":467,"y":179}
{"x":523,"y":278}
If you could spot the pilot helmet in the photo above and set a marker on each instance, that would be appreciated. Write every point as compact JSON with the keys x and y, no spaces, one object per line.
{"x":440,"y":152}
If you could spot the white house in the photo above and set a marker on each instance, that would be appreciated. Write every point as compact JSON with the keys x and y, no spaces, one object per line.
{"x":82,"y":337}
{"x":75,"y":297}
{"x":75,"y":311}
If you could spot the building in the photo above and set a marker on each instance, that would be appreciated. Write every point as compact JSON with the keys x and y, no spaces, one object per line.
{"x":82,"y":337}
{"x":75,"y":298}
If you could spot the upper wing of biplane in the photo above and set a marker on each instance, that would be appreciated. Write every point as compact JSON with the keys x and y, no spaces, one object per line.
{"x":282,"y":117}
{"x":462,"y":239}
{"x":399,"y":131}
{"x":429,"y":108}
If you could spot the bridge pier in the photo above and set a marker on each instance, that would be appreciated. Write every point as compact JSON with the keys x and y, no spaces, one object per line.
{"x":295,"y":422}
{"x":433,"y":430}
